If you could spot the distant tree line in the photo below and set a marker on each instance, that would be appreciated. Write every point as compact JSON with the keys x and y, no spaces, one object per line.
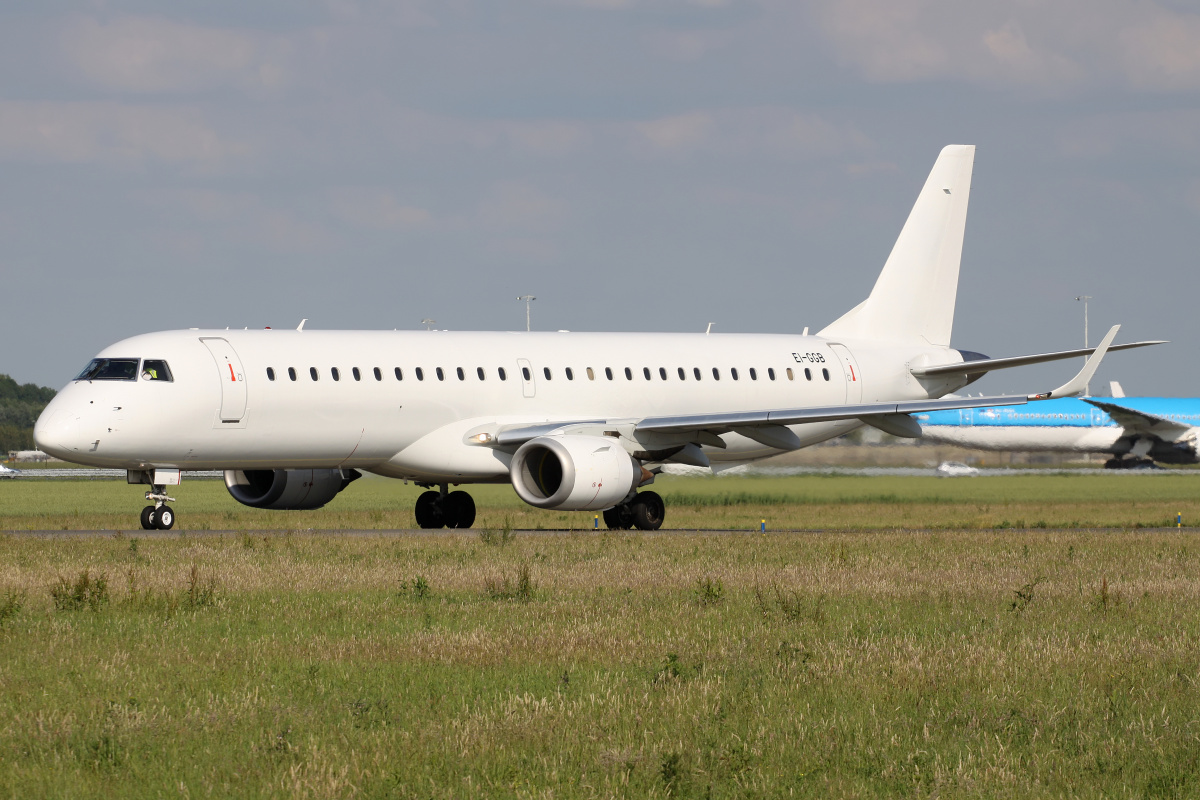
{"x":20,"y":405}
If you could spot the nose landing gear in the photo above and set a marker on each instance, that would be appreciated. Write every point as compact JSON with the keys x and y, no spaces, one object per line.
{"x":159,"y":516}
{"x":445,"y":509}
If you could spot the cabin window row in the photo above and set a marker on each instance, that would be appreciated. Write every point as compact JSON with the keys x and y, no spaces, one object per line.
{"x":663,"y":373}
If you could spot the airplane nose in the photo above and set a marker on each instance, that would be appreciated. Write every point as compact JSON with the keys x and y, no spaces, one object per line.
{"x":52,"y":432}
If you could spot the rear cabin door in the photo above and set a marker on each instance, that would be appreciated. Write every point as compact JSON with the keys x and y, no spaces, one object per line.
{"x":850,"y":369}
{"x":527,"y":380}
{"x":233,"y":381}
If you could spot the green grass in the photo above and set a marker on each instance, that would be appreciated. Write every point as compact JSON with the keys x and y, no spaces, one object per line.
{"x":914,"y":663}
{"x":738,"y":503}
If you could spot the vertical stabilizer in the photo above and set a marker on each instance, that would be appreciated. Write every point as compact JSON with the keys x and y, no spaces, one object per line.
{"x":913,"y":299}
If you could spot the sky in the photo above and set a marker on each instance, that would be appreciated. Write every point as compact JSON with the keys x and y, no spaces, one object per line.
{"x":638,"y":165}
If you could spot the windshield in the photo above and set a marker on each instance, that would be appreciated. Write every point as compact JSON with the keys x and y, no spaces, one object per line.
{"x":110,"y":369}
{"x":156,"y":370}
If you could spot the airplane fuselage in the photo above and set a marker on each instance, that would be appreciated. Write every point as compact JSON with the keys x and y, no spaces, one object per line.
{"x":401,"y":403}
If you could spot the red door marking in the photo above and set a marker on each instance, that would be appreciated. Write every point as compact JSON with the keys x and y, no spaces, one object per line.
{"x":852,"y":378}
{"x":231,"y":375}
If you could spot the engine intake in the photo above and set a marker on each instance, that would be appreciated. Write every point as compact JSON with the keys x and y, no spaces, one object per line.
{"x":291,"y":489}
{"x":574,"y":473}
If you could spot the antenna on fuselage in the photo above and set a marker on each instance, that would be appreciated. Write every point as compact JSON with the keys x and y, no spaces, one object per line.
{"x":300,"y":327}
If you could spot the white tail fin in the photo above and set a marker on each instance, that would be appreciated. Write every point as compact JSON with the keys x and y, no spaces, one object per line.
{"x":913,"y":299}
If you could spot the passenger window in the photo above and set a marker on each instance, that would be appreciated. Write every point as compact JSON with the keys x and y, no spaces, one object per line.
{"x":479,"y":372}
{"x":337,"y":376}
{"x":771,"y":373}
{"x":378,"y":374}
{"x":696,"y":372}
{"x":824,"y":373}
{"x":357,"y":375}
{"x":503,"y":375}
{"x":753,"y":374}
{"x":292,"y":373}
{"x":312,"y":373}
{"x":628,"y":374}
{"x":716,"y":374}
{"x":570,"y":374}
{"x":662,"y":373}
{"x":807,"y":374}
{"x":462,"y":376}
{"x":156,"y":370}
{"x":608,"y":373}
{"x":591,"y":374}
{"x":110,"y":369}
{"x":546,"y":372}
{"x":791,"y":376}
{"x":733,"y":372}
{"x":440,"y":373}
{"x":399,"y":374}
{"x":270,"y":374}
{"x":682,"y":374}
{"x":525,"y":373}
{"x":420,"y":374}
{"x":646,"y":372}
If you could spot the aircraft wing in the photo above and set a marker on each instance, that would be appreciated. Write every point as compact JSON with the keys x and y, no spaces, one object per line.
{"x":1139,"y":422}
{"x":767,"y":426}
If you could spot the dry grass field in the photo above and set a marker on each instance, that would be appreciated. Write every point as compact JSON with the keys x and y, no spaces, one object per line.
{"x":906,"y":661}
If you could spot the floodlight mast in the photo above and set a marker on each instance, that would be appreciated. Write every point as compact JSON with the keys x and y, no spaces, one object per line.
{"x":1084,"y":298}
{"x":428,"y":323}
{"x":528,"y":298}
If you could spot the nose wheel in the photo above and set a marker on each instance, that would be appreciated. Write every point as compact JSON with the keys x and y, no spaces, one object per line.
{"x":159,"y":516}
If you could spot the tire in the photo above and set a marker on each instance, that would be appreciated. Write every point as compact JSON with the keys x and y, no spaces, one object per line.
{"x":148,"y":518}
{"x":429,"y":511}
{"x":648,"y":511}
{"x":459,"y":510}
{"x":164,"y":518}
{"x":619,"y":518}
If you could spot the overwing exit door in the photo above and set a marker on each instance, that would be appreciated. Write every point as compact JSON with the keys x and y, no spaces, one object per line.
{"x":233,"y":381}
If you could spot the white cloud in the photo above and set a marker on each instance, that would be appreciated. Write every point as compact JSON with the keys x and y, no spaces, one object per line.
{"x":81,"y":132}
{"x":773,"y":131}
{"x":377,"y":208}
{"x":514,"y":205}
{"x":1163,"y":53}
{"x":147,"y":54}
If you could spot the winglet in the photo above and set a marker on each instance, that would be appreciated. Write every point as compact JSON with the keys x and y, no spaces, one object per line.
{"x":1076,"y":385}
{"x":300,"y":327}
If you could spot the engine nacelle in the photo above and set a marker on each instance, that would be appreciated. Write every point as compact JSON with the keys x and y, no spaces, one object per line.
{"x":287,"y":488}
{"x":574,"y":473}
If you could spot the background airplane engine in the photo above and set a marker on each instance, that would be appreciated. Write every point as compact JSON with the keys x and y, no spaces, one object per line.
{"x":574,"y":473}
{"x":287,"y":488}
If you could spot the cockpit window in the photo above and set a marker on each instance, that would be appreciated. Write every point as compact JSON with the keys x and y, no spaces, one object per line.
{"x":110,"y":369}
{"x":153,"y":370}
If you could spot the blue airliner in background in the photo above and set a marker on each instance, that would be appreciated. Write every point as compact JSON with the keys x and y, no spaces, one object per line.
{"x":1136,"y":431}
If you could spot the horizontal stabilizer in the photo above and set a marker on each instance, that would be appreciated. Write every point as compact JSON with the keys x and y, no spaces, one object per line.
{"x":989,"y":364}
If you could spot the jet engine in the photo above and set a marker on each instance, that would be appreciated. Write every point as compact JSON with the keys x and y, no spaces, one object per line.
{"x":574,"y":473}
{"x":287,"y":488}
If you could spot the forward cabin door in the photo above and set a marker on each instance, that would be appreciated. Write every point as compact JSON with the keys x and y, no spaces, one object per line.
{"x":233,"y":382}
{"x":850,"y":369}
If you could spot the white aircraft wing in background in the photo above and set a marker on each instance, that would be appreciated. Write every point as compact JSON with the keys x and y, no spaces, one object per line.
{"x":1139,"y":423}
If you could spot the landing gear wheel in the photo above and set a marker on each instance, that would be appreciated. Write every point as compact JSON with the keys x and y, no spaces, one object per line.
{"x":429,"y":510}
{"x":619,"y":518}
{"x":458,"y":509}
{"x":148,"y":518}
{"x":648,"y":511}
{"x":164,"y":518}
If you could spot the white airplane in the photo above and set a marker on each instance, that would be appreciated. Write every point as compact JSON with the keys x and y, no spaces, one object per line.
{"x":573,"y":420}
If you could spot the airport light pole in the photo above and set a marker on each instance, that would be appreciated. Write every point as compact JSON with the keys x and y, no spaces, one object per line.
{"x":429,"y":323}
{"x":1084,"y":298}
{"x":528,"y":298}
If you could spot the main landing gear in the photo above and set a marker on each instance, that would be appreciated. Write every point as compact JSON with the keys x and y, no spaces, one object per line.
{"x":645,"y":511}
{"x":445,"y":509}
{"x":159,"y":516}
